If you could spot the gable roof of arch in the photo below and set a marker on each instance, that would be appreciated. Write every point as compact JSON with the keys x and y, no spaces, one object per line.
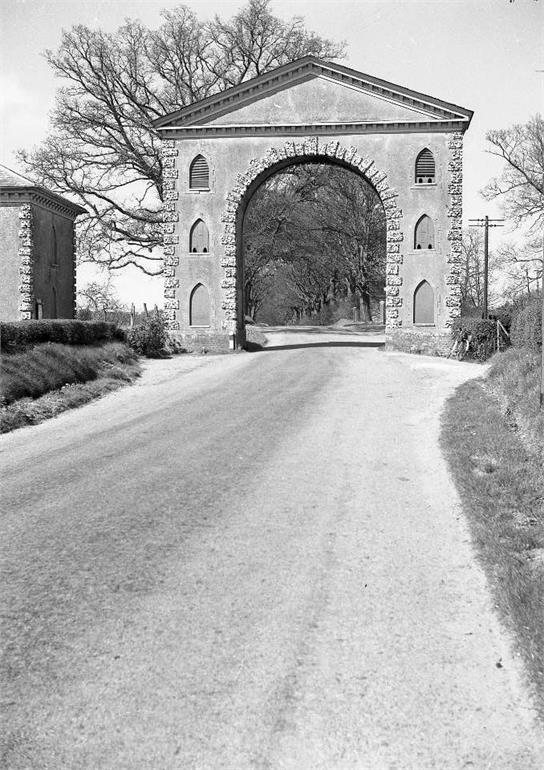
{"x":314,"y":94}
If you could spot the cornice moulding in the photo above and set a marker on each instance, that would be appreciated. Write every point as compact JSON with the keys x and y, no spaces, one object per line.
{"x":38,"y":196}
{"x":446,"y":126}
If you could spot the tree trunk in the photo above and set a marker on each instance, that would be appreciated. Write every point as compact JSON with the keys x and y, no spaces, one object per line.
{"x":365,"y":302}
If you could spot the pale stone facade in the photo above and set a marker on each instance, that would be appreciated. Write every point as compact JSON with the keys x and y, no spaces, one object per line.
{"x":311,"y":111}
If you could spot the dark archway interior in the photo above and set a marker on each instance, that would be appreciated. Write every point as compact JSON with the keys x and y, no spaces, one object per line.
{"x":311,"y":243}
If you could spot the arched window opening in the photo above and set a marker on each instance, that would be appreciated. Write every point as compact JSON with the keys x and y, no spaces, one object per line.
{"x":54,"y":247}
{"x":199,"y":238}
{"x":199,"y":174}
{"x":425,"y":168}
{"x":199,"y":306}
{"x":54,"y":310}
{"x":424,"y":304}
{"x":424,"y":233}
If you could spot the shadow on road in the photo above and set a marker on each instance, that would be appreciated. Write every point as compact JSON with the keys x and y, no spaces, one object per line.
{"x":253,"y":347}
{"x":351,"y":329}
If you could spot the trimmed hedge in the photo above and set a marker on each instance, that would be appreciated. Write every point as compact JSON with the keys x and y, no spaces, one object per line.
{"x":526,"y":329}
{"x":483,"y":334}
{"x":19,"y":335}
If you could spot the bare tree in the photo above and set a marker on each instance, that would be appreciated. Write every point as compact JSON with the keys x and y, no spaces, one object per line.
{"x":521,"y":188}
{"x":472,"y":278}
{"x":521,"y":267}
{"x":99,"y":295}
{"x":102,"y":148}
{"x":521,"y":184}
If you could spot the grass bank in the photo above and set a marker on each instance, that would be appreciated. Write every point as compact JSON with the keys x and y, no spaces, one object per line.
{"x":515,"y":379}
{"x":48,"y":379}
{"x":495,"y":456}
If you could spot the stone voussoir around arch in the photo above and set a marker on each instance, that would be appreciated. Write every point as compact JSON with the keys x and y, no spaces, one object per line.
{"x":315,"y":147}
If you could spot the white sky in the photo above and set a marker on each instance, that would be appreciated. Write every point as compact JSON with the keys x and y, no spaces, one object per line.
{"x":480,"y":54}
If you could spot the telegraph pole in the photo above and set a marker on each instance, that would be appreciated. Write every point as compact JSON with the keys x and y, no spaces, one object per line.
{"x":486,"y":223}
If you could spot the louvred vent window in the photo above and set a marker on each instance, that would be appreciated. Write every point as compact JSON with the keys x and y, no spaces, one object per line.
{"x":425,"y":169}
{"x":199,"y":174}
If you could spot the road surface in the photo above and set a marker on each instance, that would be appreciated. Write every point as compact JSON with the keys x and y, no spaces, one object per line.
{"x":253,"y":561}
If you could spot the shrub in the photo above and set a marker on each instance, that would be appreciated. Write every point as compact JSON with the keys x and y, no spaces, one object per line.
{"x":149,"y":337}
{"x":20,"y":335}
{"x":503,"y":313}
{"x":526,"y":331}
{"x":482,"y":333}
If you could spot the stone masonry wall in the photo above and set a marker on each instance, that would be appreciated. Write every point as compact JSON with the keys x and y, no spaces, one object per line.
{"x":421,"y":341}
{"x":170,"y":239}
{"x":26,"y":263}
{"x":455,"y":234}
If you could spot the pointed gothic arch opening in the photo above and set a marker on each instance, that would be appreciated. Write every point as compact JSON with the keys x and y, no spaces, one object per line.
{"x":424,"y":304}
{"x":425,"y":171}
{"x":424,"y":233}
{"x":199,"y":238}
{"x":54,"y":253}
{"x":54,"y":307}
{"x":199,"y":306}
{"x":199,"y":174}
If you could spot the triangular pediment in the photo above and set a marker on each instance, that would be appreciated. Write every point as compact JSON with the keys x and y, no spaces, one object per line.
{"x":311,"y":91}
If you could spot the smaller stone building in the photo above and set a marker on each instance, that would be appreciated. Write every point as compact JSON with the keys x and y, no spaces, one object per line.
{"x":37,"y":259}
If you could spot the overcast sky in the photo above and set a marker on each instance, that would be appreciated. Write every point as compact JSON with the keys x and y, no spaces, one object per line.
{"x":481,"y":54}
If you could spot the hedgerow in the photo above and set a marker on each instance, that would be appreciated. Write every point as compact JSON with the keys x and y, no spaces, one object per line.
{"x":20,"y":335}
{"x":526,"y":329}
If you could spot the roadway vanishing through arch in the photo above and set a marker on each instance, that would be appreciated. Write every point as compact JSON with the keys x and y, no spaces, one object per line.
{"x":252,"y":561}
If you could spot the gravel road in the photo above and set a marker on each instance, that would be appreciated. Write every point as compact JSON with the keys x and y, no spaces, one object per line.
{"x":253,"y":561}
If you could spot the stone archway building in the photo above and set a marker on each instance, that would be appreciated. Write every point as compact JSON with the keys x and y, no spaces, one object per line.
{"x":37,"y":250}
{"x":216,"y":152}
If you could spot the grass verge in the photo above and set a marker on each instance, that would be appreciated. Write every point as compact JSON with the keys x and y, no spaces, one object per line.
{"x":49,"y":379}
{"x":501,"y":484}
{"x":515,"y":378}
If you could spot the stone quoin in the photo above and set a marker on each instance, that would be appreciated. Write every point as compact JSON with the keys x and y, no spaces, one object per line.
{"x":218,"y":151}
